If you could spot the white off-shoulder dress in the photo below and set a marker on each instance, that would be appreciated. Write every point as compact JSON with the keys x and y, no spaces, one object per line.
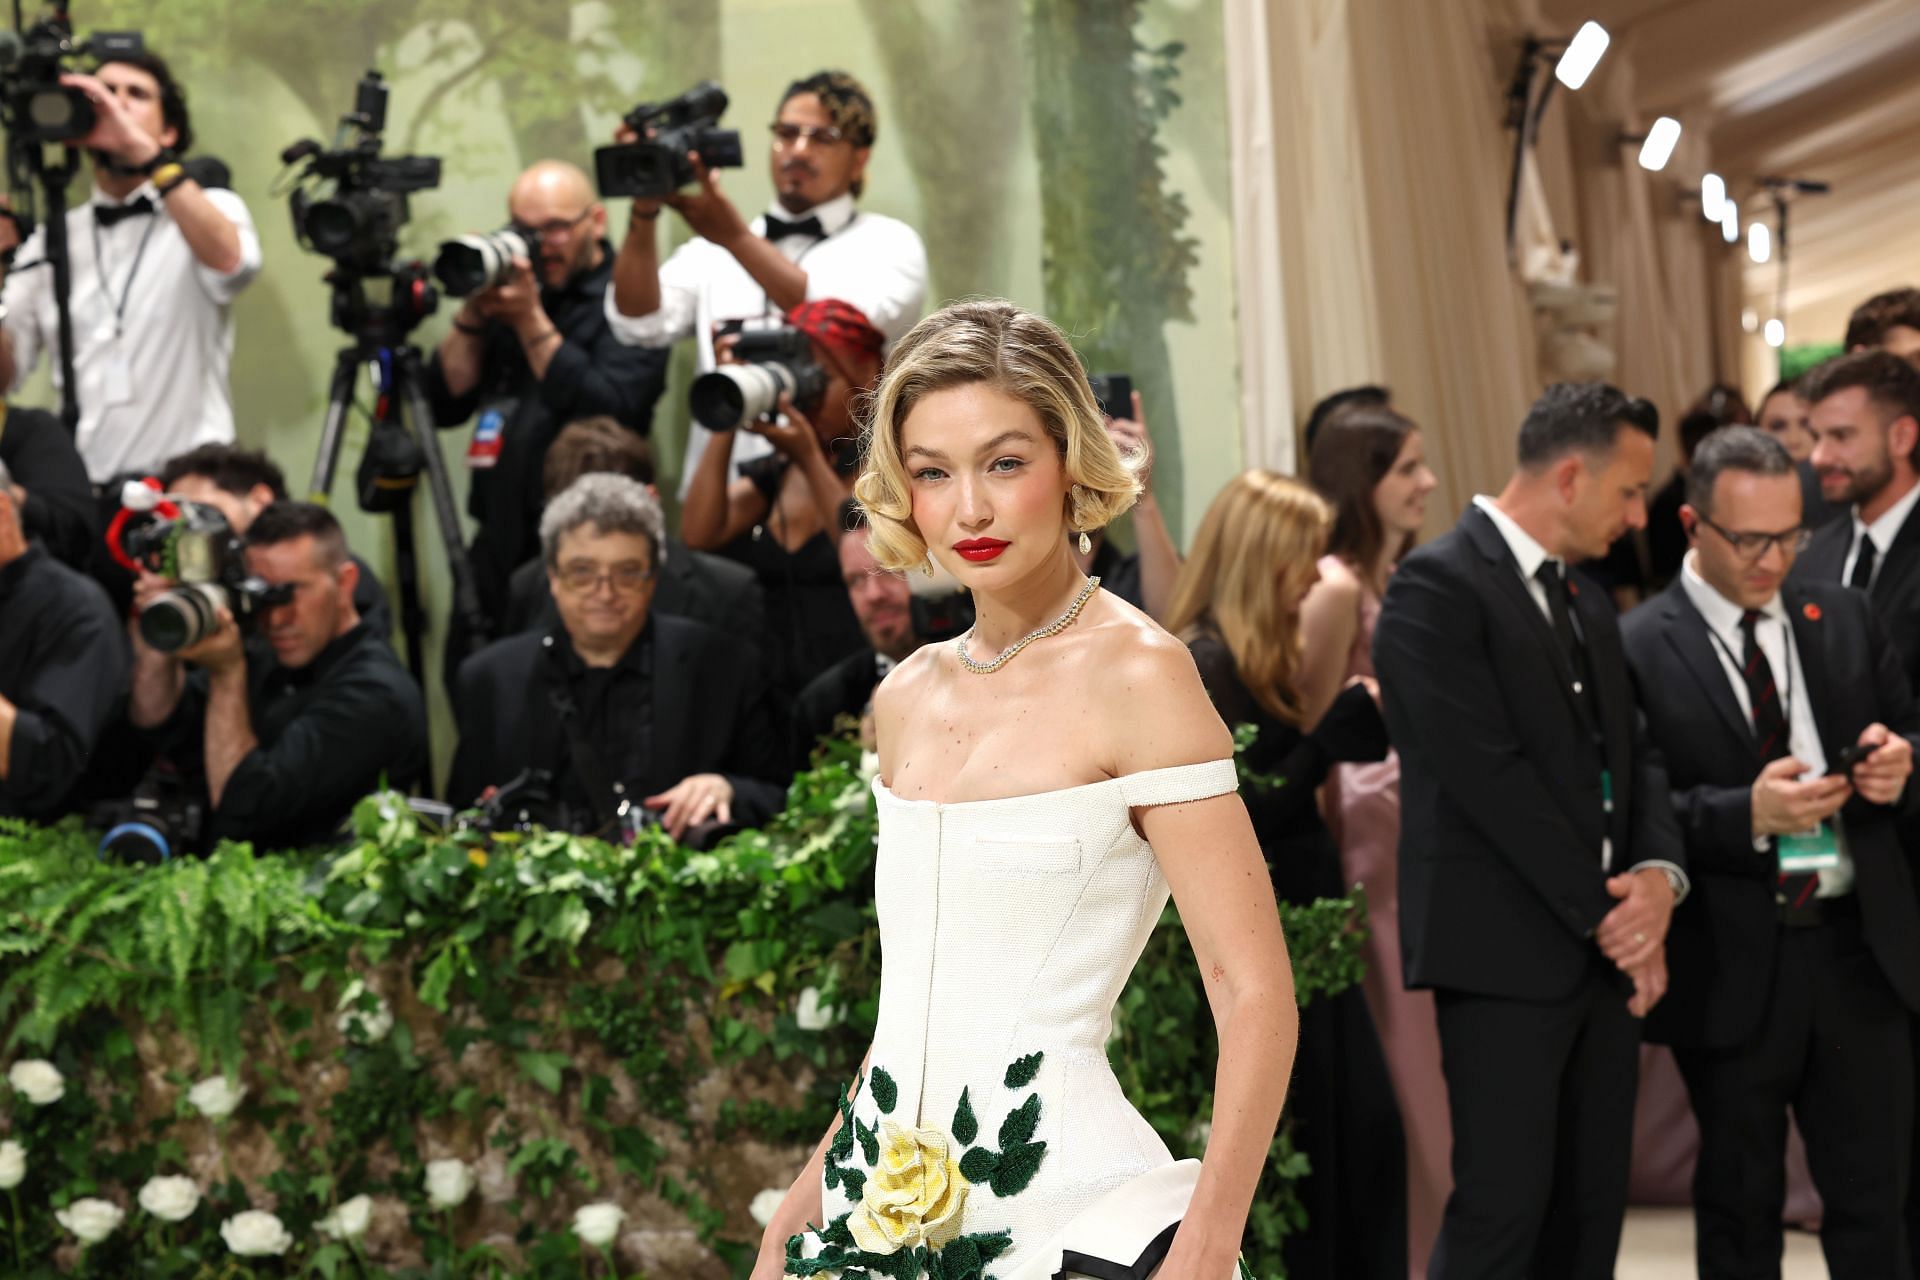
{"x":990,"y":1139}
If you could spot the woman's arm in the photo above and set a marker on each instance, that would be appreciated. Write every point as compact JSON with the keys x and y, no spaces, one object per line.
{"x":1329,"y":620}
{"x":1211,"y":860}
{"x":801,"y":1205}
{"x":718,"y":510}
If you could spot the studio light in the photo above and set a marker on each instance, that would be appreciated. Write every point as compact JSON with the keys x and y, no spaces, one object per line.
{"x":1713,"y":196}
{"x":1759,"y":242}
{"x":1583,"y":54}
{"x":1776,"y":333}
{"x":1660,"y":141}
{"x":1730,"y":222}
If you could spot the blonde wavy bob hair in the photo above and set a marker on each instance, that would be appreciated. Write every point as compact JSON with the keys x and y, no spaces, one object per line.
{"x":1015,"y":352}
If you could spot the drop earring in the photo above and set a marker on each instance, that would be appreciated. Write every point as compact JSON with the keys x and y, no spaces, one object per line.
{"x":1086,"y":544}
{"x":926,"y":565}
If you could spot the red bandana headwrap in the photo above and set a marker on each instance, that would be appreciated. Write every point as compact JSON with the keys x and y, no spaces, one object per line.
{"x":839,"y":325}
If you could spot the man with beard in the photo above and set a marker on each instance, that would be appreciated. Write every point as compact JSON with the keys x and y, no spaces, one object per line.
{"x":815,"y":242}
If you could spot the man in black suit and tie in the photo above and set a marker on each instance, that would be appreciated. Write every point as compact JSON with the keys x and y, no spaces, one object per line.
{"x":1539,"y":858}
{"x":1792,"y":971}
{"x":624,"y":712}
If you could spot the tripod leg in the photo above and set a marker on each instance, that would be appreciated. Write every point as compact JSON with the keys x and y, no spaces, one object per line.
{"x":413,"y":618}
{"x":409,"y":382}
{"x":334,"y":429}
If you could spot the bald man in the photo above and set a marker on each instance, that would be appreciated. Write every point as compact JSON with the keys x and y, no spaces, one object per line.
{"x":527,"y":357}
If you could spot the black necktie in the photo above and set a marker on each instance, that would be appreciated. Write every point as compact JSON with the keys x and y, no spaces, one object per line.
{"x":1560,"y":610}
{"x":780,"y":228}
{"x":108,"y":214}
{"x":1862,"y":577}
{"x":1770,"y":732}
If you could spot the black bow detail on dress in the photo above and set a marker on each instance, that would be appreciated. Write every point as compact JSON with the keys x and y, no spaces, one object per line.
{"x":1074,"y":1264}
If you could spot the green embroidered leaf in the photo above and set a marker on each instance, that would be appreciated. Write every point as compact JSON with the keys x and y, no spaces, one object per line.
{"x":1246,"y":1272}
{"x":842,"y":1141}
{"x":831,"y":1174}
{"x":993,"y":1244}
{"x":1022,"y":1072}
{"x":978,"y":1164}
{"x":855,"y":1181}
{"x":1016,"y":1168}
{"x":837,"y":1231}
{"x":960,"y":1260}
{"x":965,"y":1126}
{"x":885,"y":1092}
{"x":1020,"y":1123}
{"x":869,"y":1143}
{"x":904,"y":1265}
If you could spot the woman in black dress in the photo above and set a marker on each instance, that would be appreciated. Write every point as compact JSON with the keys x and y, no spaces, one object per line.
{"x":1237,"y":605}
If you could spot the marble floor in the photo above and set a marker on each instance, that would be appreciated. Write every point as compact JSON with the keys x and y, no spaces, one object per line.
{"x":1658,"y":1245}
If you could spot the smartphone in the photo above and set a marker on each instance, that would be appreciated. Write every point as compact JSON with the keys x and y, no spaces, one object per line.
{"x":1113,"y":392}
{"x":1849,"y":757}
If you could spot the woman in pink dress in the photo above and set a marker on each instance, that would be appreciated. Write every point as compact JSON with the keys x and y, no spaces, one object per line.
{"x":1368,"y":463}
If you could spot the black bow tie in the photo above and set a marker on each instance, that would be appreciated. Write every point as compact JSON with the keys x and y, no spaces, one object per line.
{"x":108,"y":214}
{"x":780,"y":228}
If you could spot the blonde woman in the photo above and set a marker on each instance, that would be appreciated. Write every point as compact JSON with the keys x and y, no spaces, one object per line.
{"x":1044,"y":781}
{"x":1237,"y":604}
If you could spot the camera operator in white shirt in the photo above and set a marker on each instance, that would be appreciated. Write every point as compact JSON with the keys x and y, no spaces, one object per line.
{"x":813,"y":243}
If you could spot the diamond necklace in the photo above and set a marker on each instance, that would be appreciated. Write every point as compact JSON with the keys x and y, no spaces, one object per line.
{"x":1053,"y":628}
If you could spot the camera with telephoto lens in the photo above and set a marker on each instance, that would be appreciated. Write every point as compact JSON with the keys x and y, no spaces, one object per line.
{"x":772,"y":361}
{"x":469,"y":264}
{"x":350,"y":202}
{"x":660,"y":163}
{"x":192,"y":544}
{"x":34,"y":106}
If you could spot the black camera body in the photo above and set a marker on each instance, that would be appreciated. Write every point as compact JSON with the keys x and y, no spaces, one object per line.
{"x":350,"y":202}
{"x":163,"y":818}
{"x":35,"y":106}
{"x":772,"y":362}
{"x":471,"y":264}
{"x":193,"y":544}
{"x":660,"y":163}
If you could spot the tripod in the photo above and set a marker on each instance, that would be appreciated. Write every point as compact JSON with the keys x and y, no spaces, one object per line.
{"x":402,"y":442}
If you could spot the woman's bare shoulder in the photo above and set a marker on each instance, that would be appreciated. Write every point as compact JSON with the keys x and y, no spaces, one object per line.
{"x":1157,"y":709}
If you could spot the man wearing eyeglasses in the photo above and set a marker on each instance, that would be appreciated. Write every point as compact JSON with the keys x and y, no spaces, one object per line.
{"x":1785,"y":719}
{"x":525,"y":358}
{"x":620,"y":716}
{"x":814,"y":242}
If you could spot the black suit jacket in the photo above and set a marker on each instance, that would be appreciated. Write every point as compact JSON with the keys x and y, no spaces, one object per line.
{"x":1896,"y":588}
{"x":1720,"y":950}
{"x":709,"y":716}
{"x":1501,"y":811}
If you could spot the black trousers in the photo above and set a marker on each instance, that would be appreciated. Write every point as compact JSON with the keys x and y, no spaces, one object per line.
{"x":1834,"y":1046}
{"x":1541,"y":1097}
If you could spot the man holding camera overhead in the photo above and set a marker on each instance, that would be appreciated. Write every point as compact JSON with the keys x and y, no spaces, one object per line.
{"x":157,"y":261}
{"x":813,"y":243}
{"x":530,"y":350}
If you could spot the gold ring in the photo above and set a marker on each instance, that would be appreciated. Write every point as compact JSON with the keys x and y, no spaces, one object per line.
{"x":1640,"y":939}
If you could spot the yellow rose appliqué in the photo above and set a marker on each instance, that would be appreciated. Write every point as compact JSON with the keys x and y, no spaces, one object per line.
{"x":914,"y":1195}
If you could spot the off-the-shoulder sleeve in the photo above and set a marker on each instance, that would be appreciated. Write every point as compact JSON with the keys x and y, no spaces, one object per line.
{"x":1180,"y":783}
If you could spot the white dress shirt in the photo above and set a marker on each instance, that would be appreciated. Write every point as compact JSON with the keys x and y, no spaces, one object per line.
{"x":1529,"y":555}
{"x":874,"y":262}
{"x":1883,"y":531}
{"x":152,"y":344}
{"x":1774,"y":634}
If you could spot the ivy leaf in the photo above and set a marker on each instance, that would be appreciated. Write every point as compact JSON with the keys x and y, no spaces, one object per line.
{"x":1021,"y":1073}
{"x":1020,"y":1123}
{"x":885,"y":1092}
{"x":966,"y":1127}
{"x":978,"y":1164}
{"x":1016,"y":1168}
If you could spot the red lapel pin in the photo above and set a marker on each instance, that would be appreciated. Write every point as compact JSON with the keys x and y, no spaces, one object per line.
{"x":1810,"y":611}
{"x":1573,"y":588}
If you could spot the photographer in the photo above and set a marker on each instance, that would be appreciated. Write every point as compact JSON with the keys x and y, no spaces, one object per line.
{"x":156,"y":262}
{"x":50,"y":487}
{"x":240,"y":484}
{"x":814,"y":243}
{"x":300,"y":720}
{"x":1145,"y":577}
{"x":63,"y":670}
{"x":530,"y":355}
{"x":618,"y":707}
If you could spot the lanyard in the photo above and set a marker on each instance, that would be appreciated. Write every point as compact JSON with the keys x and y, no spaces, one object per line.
{"x":100,"y":266}
{"x":1786,"y":699}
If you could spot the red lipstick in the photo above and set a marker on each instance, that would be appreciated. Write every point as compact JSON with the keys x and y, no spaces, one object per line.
{"x":981,"y":550}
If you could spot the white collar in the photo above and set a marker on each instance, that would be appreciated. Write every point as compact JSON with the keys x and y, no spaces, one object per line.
{"x":1527,"y":551}
{"x":834,"y":214}
{"x":1720,"y":613}
{"x":1884,"y":530}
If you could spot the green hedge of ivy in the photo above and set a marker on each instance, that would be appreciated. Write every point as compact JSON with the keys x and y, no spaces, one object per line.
{"x":603,"y":981}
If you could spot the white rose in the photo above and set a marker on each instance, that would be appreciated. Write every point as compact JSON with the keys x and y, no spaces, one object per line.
{"x":172,"y":1199}
{"x":349,"y":1221}
{"x":810,"y":1015}
{"x":216,"y":1097}
{"x":39,"y":1080}
{"x":255,"y":1234}
{"x":598,"y":1224}
{"x":449,"y":1182}
{"x":91,"y":1220}
{"x":13,"y":1164}
{"x":366,"y":1026}
{"x":766,"y":1204}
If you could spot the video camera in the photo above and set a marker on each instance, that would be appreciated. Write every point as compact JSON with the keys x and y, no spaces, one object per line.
{"x":772,"y":361}
{"x":34,"y":106}
{"x":659,"y":164}
{"x":349,"y":203}
{"x":192,"y":544}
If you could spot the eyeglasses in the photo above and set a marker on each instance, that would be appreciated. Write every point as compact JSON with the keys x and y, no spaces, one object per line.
{"x":555,"y":229}
{"x":859,"y":580}
{"x":627,"y":579}
{"x":1753,"y":547}
{"x":785,"y":135}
